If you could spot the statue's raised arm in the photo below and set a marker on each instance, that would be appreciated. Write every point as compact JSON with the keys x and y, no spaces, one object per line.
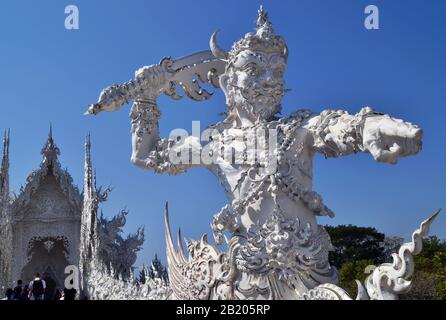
{"x":338,"y":133}
{"x":148,"y":150}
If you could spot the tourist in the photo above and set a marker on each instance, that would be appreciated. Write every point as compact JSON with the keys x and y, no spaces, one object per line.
{"x":50,"y":288}
{"x":69,"y":294}
{"x":57,"y":295}
{"x":18,"y":291}
{"x":37,"y":288}
{"x":9,"y":293}
{"x":25,"y":292}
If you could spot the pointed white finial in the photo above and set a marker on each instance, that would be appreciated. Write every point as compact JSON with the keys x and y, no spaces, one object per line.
{"x":50,"y":133}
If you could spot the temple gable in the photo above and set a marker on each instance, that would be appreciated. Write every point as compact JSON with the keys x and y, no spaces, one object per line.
{"x":48,"y":203}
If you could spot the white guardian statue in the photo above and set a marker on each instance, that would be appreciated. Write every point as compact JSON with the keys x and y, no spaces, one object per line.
{"x":276,"y":249}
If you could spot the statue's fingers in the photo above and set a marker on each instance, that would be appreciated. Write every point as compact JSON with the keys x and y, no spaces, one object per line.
{"x":392,"y":154}
{"x":373,"y":148}
{"x":408,"y":130}
{"x":416,"y":133}
{"x":384,"y":153}
{"x":399,"y":128}
{"x":404,"y":142}
{"x":395,"y":149}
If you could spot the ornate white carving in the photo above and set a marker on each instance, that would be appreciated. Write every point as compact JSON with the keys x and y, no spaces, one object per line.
{"x":388,"y":280}
{"x":50,"y":166}
{"x":105,"y":257}
{"x":200,"y":275}
{"x":48,"y":207}
{"x":113,"y":248}
{"x":276,"y":248}
{"x":104,"y":285}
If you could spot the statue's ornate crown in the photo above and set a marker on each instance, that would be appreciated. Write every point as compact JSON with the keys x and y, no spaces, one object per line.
{"x":263,"y":39}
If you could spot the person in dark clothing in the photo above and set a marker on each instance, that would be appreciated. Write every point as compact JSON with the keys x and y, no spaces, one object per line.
{"x":9,"y":293}
{"x":37,"y":288}
{"x":25,"y":293}
{"x":50,"y":288}
{"x":18,"y":291}
{"x":69,"y":294}
{"x":57,"y":295}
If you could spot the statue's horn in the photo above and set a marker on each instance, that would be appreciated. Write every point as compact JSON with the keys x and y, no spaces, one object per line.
{"x":216,"y":50}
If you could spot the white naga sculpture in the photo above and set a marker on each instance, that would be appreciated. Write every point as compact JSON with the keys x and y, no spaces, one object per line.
{"x":276,"y":248}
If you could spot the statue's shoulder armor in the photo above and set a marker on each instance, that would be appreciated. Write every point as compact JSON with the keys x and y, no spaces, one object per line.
{"x":220,"y":126}
{"x":297,"y":118}
{"x":302,"y":114}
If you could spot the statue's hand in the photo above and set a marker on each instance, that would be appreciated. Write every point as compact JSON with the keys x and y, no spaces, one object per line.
{"x":155,"y":78}
{"x":149,"y":83}
{"x":389,"y":139}
{"x":110,"y":99}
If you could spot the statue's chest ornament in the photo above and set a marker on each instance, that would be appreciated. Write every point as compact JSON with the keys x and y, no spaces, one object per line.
{"x":268,"y":175}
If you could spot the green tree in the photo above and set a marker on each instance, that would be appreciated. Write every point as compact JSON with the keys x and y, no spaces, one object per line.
{"x":351,"y":271}
{"x":352,"y":243}
{"x":429,"y":279}
{"x":355,"y":248}
{"x":431,"y":246}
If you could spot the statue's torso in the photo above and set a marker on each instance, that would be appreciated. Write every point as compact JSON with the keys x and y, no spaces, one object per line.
{"x":288,"y":171}
{"x":275,"y":201}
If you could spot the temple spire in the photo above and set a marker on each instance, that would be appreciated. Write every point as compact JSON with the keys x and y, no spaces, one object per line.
{"x":6,"y":143}
{"x":94,"y":180}
{"x":90,"y":199}
{"x":6,"y":254}
{"x":88,"y":239}
{"x":88,"y":170}
{"x":4,"y":171}
{"x":50,"y":151}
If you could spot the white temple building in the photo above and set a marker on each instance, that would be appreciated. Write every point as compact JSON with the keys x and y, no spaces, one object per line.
{"x":41,"y":227}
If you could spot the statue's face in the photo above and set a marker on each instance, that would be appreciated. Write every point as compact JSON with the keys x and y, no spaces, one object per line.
{"x":255,"y":82}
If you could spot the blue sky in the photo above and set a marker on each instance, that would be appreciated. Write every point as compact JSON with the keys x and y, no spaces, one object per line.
{"x":50,"y":74}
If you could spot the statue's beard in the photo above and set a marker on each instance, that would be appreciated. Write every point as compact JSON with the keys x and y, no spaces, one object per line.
{"x":261,"y":101}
